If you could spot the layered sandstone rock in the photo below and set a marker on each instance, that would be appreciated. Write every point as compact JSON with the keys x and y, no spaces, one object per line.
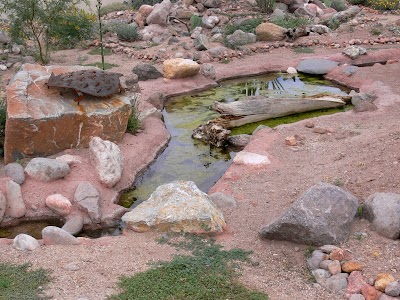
{"x":41,"y":122}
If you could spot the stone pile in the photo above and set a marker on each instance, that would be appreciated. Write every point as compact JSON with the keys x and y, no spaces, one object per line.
{"x":11,"y":54}
{"x":334,"y":269}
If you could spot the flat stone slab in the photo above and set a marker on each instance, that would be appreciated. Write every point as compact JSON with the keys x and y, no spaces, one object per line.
{"x":316,"y":66}
{"x":41,"y":121}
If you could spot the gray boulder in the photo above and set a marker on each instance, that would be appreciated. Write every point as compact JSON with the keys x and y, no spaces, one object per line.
{"x":178,"y":206}
{"x":337,"y":282}
{"x":393,"y":289}
{"x":201,"y":42}
{"x":47,"y":169}
{"x":15,"y":203}
{"x":209,"y":21}
{"x":15,"y":171}
{"x":383,"y":211}
{"x":208,"y":70}
{"x":317,"y":66}
{"x":314,"y":261}
{"x":354,"y":51}
{"x":88,"y":199}
{"x":53,"y":235}
{"x":25,"y":242}
{"x":321,"y":275}
{"x":106,"y":157}
{"x":74,"y":224}
{"x":239,"y":140}
{"x":3,"y":205}
{"x":322,"y":215}
{"x":146,"y":72}
{"x":159,"y":13}
{"x":241,"y":38}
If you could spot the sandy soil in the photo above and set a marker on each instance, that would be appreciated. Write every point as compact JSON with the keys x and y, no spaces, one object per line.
{"x":361,"y":154}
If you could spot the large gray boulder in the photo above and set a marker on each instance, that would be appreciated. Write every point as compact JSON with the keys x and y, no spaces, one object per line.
{"x":383,"y":211}
{"x":178,"y":206}
{"x":159,"y":13}
{"x":15,"y":171}
{"x":241,"y":38}
{"x":322,"y":215}
{"x":47,"y":169}
{"x":317,"y":66}
{"x":106,"y":157}
{"x":88,"y":199}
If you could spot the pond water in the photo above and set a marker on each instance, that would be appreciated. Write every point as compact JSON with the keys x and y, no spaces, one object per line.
{"x":189,"y":159}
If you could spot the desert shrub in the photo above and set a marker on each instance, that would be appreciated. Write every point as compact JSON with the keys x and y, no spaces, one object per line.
{"x":338,"y":5}
{"x":266,"y":6}
{"x":248,"y":25}
{"x":333,"y":23}
{"x":383,"y":4}
{"x":106,"y":9}
{"x":77,"y":25}
{"x":195,"y":21}
{"x":138,"y":3}
{"x":133,"y":122}
{"x":289,"y":21}
{"x":125,"y":32}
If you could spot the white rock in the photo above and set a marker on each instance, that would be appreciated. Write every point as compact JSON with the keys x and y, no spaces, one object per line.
{"x":88,"y":198}
{"x":3,"y":68}
{"x":25,"y":242}
{"x":291,"y":70}
{"x":106,"y":157}
{"x":251,"y":159}
{"x":74,"y":224}
{"x":56,"y":236}
{"x":47,"y":169}
{"x":59,"y":204}
{"x":178,"y":206}
{"x":15,"y":203}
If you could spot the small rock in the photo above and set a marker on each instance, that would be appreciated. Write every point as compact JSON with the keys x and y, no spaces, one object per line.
{"x":320,"y":130}
{"x":334,"y":267}
{"x":337,"y":282}
{"x":354,"y":51}
{"x":74,"y":224}
{"x":321,"y":276}
{"x":25,"y":242}
{"x":291,"y":140}
{"x":251,"y":159}
{"x":15,"y":171}
{"x":47,"y":169}
{"x":339,"y":254}
{"x":3,"y":67}
{"x":291,"y":70}
{"x":56,"y":236}
{"x":355,"y":282}
{"x":351,"y":266}
{"x":71,"y":267}
{"x":208,"y":70}
{"x":209,"y":21}
{"x":15,"y":49}
{"x":309,"y":124}
{"x":88,"y":198}
{"x":223,"y":201}
{"x":393,"y":289}
{"x":370,"y":293}
{"x":59,"y":204}
{"x":15,"y":203}
{"x":239,"y":140}
{"x":315,"y":259}
{"x":382,"y":281}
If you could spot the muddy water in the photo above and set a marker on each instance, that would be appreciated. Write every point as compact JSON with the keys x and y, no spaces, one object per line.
{"x":189,"y":159}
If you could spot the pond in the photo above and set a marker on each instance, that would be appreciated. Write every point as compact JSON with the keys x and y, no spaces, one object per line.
{"x":189,"y":159}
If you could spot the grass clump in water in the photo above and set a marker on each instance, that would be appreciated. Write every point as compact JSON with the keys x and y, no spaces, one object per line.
{"x":17,"y":282}
{"x":208,"y":273}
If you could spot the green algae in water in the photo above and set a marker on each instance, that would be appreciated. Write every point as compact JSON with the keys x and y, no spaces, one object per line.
{"x":189,"y":159}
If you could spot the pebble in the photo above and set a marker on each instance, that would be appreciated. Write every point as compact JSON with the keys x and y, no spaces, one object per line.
{"x":320,"y":130}
{"x":71,"y":267}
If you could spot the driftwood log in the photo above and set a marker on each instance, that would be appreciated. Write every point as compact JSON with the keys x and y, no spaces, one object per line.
{"x":259,"y":108}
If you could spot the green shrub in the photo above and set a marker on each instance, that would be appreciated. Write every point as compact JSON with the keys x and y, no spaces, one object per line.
{"x":289,"y":21}
{"x":138,"y":3}
{"x":133,"y":122}
{"x":338,"y":5}
{"x":106,"y":9}
{"x":333,"y":23}
{"x":248,"y":25}
{"x":125,"y":32}
{"x":383,"y":4}
{"x":266,"y":6}
{"x":77,"y":25}
{"x":195,"y":21}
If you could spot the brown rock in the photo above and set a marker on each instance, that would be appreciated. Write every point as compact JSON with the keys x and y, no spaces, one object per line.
{"x":370,"y":293}
{"x":334,"y":267}
{"x":141,"y":15}
{"x":339,"y":254}
{"x":350,"y":266}
{"x":270,"y":32}
{"x":355,"y":282}
{"x":291,"y":141}
{"x":382,"y":281}
{"x":42,"y":122}
{"x":320,"y":130}
{"x":180,"y":68}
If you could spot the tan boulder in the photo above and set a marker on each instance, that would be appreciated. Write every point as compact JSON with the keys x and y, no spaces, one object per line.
{"x":350,"y":266}
{"x":270,"y":32}
{"x":382,"y":281}
{"x":180,"y":68}
{"x":143,"y":12}
{"x":42,"y":122}
{"x":178,"y":206}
